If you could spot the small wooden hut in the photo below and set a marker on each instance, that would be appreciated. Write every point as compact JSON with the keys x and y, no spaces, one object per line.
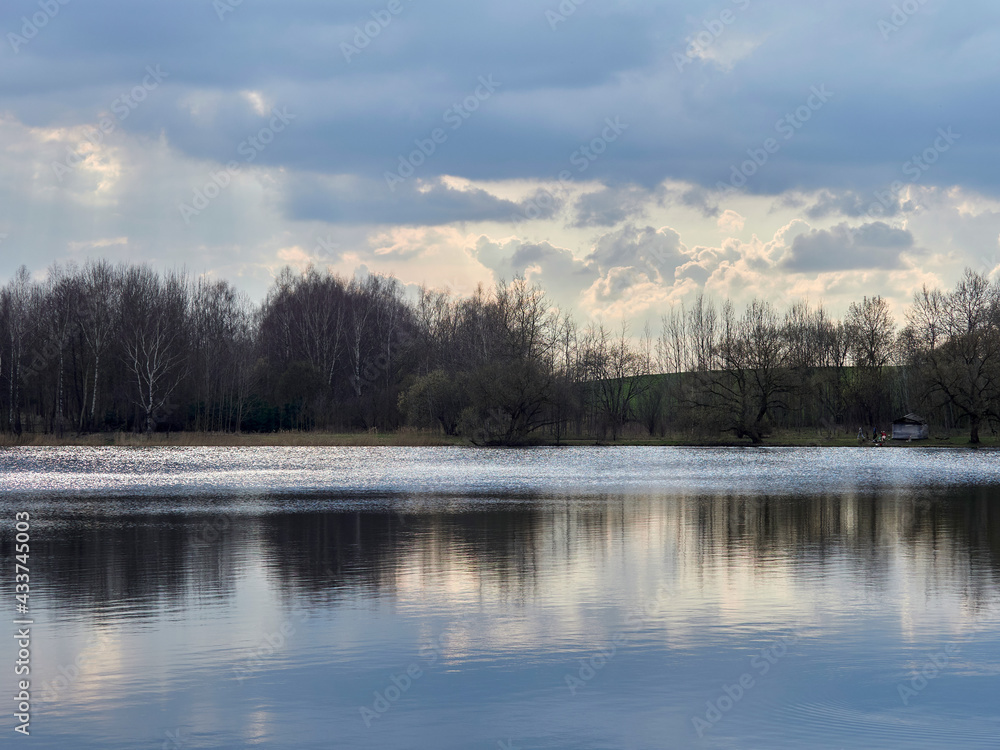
{"x":910,"y":427}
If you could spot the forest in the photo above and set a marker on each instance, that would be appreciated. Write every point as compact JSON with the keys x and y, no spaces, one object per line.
{"x":122,"y":347}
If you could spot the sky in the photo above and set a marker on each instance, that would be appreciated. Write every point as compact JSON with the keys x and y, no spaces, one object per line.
{"x":626,"y":155}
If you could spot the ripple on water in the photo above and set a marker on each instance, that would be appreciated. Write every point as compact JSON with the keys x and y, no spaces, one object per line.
{"x":468,"y":471}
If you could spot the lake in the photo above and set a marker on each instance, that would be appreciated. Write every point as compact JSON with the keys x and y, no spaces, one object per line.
{"x":454,"y":598}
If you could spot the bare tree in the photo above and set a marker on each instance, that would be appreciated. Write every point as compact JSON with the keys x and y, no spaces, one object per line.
{"x":62,"y":300}
{"x":512,"y":339}
{"x":618,"y":373}
{"x":958,"y":346}
{"x":16,"y":303}
{"x":702,"y":331}
{"x":872,"y":336}
{"x":97,"y":319}
{"x":753,"y":378}
{"x":833,"y":356}
{"x":153,"y":321}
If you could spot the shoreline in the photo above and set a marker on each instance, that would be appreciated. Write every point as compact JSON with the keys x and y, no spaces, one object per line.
{"x":416,"y":439}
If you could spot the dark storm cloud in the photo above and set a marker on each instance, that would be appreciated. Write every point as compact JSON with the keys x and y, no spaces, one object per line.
{"x":414,"y":203}
{"x":694,"y":112}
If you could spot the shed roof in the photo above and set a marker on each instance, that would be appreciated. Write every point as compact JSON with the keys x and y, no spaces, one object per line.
{"x":911,"y":419}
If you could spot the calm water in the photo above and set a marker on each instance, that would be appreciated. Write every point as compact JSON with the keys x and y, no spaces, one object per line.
{"x":450,"y":598}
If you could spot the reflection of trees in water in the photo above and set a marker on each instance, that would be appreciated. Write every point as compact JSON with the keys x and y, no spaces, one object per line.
{"x":947,"y":539}
{"x":371,"y":551}
{"x":408,"y":545}
{"x":139,"y":560}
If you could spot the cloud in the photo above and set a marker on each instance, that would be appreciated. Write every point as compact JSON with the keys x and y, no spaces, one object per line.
{"x":556,"y":269}
{"x":611,"y":206}
{"x":556,"y":89}
{"x":852,"y":204}
{"x":730,"y":221}
{"x":841,"y":248}
{"x":655,"y":252}
{"x":349,"y":200}
{"x":626,"y":269}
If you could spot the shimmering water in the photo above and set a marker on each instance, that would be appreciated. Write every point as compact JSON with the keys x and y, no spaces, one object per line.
{"x":452,"y":598}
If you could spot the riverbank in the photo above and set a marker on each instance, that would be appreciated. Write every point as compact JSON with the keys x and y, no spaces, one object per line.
{"x":417,"y":438}
{"x":227,"y":440}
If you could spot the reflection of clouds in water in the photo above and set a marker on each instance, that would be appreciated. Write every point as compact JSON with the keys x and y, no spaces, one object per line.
{"x":508,"y":592}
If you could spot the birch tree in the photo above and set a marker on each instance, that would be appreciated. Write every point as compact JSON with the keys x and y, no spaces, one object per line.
{"x":154,"y":316}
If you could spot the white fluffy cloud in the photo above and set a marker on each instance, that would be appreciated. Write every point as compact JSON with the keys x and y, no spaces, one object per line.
{"x":523,"y":176}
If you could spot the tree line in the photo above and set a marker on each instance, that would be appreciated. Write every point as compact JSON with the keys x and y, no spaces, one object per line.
{"x":123,"y":347}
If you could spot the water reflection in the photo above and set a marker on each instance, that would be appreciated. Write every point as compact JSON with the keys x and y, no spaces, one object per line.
{"x":141,"y":559}
{"x":275,"y":621}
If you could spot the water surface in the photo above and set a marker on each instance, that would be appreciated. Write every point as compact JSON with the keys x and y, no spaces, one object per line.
{"x":555,"y":598}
